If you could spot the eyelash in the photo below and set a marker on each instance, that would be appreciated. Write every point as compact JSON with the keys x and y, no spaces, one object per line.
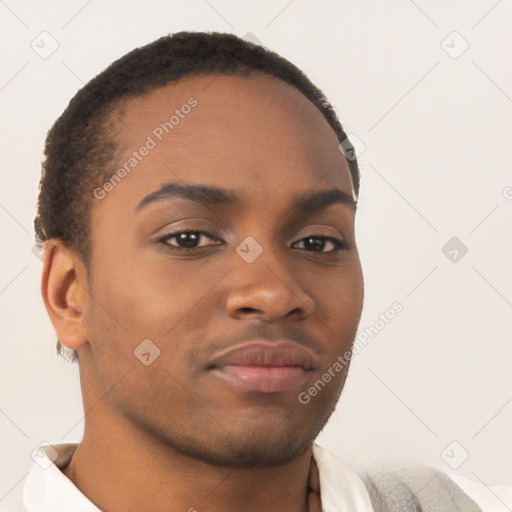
{"x":338,"y":244}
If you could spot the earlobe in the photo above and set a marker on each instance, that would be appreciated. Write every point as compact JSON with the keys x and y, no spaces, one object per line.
{"x":64,"y":289}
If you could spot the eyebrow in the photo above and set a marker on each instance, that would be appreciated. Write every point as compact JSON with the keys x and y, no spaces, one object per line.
{"x":311,"y":202}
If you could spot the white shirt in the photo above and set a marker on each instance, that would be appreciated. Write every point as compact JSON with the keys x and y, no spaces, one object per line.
{"x":47,"y":489}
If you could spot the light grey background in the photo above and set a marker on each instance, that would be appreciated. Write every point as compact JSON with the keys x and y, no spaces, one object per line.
{"x":434,"y":384}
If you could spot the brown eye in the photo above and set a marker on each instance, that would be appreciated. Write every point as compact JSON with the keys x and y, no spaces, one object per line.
{"x":319,"y":243}
{"x":186,"y":239}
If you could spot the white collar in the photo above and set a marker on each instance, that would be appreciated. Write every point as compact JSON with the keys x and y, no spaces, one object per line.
{"x":341,"y":488}
{"x":47,"y":489}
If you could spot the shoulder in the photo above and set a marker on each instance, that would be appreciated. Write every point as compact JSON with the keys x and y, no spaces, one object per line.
{"x":414,"y":489}
{"x":410,"y":489}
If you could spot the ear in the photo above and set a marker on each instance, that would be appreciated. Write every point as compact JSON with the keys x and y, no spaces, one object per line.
{"x":65,"y":293}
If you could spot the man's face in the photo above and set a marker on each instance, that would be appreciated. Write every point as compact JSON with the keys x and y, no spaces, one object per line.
{"x":200,"y":294}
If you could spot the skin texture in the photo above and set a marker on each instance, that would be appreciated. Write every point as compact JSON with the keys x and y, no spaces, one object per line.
{"x":173,"y":435}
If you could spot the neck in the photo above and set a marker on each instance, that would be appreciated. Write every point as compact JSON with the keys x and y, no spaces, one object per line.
{"x":121,"y":467}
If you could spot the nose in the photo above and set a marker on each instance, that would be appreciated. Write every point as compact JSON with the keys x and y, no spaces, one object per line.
{"x":265,"y":289}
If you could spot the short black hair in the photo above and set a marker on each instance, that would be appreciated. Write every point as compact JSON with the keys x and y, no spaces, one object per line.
{"x":80,"y":147}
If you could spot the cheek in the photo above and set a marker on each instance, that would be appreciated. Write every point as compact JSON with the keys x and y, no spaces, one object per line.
{"x":342,"y":299}
{"x":147,"y":299}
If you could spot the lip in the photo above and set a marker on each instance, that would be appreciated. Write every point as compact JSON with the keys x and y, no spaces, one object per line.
{"x":264,"y":366}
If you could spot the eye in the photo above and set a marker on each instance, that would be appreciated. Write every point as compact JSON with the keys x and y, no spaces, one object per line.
{"x":318,"y":244}
{"x":190,"y":240}
{"x":186,"y":240}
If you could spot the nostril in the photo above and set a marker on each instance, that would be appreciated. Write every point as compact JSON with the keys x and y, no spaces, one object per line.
{"x":246,"y":310}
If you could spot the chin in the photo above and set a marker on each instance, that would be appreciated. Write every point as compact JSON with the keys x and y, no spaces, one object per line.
{"x":243,"y":446}
{"x":250,"y":453}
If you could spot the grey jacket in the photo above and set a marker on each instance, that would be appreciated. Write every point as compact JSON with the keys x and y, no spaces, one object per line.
{"x":416,"y":490}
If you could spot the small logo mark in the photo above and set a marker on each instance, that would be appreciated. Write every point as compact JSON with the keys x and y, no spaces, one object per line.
{"x":455,"y":455}
{"x":38,"y":252}
{"x":252,"y":38}
{"x":454,"y":249}
{"x":44,"y":45}
{"x":454,"y":45}
{"x":249,"y":249}
{"x":146,"y":352}
{"x":352,"y":147}
{"x":42,"y":459}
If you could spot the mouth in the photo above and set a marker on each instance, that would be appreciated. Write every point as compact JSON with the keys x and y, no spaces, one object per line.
{"x":264,"y":366}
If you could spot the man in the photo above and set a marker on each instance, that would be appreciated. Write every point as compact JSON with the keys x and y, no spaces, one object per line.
{"x":201,"y":262}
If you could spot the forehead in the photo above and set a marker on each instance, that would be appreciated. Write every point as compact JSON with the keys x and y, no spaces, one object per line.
{"x":228,"y":97}
{"x":252,"y":133}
